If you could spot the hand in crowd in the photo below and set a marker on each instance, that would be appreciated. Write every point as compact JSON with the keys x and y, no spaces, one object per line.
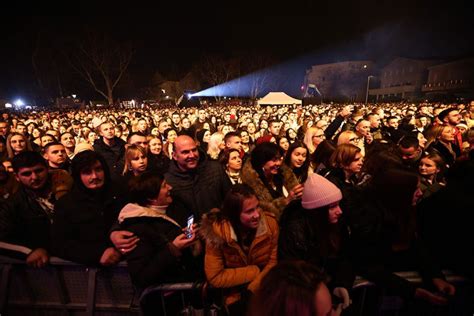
{"x":444,"y":287}
{"x":343,"y":294}
{"x":182,"y":242}
{"x":369,"y":138}
{"x":430,"y":297}
{"x":38,"y":258}
{"x":110,"y":257}
{"x":124,"y":241}
{"x":295,"y":193}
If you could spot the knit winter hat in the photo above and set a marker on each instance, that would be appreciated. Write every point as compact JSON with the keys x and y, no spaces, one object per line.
{"x":318,"y":192}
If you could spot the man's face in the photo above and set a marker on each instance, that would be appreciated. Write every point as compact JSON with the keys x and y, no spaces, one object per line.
{"x":393,"y":123}
{"x":3,"y":128}
{"x":138,"y":141}
{"x":234,"y":142}
{"x":186,"y":153}
{"x":33,"y":178}
{"x":363,"y":128}
{"x":21,"y":129}
{"x":76,"y":128}
{"x":68,"y":140}
{"x":163,"y":126}
{"x":202,"y":115}
{"x":46,"y":139}
{"x":55,"y":155}
{"x":93,"y":178}
{"x":274,"y":128}
{"x":375,"y":121}
{"x":410,"y":154}
{"x":142,"y":125}
{"x":55,"y":123}
{"x":453,"y":118}
{"x":107,"y":130}
{"x":176,"y":119}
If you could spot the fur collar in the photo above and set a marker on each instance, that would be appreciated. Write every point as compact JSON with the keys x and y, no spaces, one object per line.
{"x":217,"y":230}
{"x":132,"y":210}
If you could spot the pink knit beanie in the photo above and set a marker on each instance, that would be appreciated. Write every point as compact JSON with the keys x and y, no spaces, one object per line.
{"x":318,"y":192}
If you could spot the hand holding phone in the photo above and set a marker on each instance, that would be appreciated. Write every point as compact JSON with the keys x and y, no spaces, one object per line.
{"x":189,"y":227}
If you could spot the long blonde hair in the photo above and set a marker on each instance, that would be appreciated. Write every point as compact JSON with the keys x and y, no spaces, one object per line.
{"x":308,"y":138}
{"x":215,"y":141}
{"x":131,"y":152}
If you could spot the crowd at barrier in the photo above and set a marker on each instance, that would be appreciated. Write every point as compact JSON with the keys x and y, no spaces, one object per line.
{"x":280,"y":207}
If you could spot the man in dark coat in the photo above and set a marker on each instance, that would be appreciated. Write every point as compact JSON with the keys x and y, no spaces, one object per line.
{"x":85,"y":215}
{"x":111,"y":148}
{"x":25,"y":218}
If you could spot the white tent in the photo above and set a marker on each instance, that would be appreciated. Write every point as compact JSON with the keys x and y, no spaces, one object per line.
{"x":278,"y":98}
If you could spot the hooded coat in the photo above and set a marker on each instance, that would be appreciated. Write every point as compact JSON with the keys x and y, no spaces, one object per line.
{"x":267,"y":202}
{"x":226,"y":264}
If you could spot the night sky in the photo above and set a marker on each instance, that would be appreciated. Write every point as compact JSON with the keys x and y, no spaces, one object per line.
{"x":310,"y":33}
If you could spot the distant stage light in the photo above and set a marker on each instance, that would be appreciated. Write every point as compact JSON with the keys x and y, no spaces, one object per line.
{"x":8,"y":105}
{"x":189,"y":95}
{"x":19,"y":102}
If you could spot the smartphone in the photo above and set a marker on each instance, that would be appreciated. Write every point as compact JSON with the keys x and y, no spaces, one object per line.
{"x":189,"y":227}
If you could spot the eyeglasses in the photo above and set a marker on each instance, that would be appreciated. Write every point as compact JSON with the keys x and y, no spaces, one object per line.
{"x":355,"y":139}
{"x":320,"y":136}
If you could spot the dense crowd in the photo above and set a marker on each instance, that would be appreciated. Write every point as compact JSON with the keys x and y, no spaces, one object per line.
{"x":281,"y":206}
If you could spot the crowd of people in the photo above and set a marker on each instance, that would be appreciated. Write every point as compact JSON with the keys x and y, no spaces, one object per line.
{"x":278,"y":206}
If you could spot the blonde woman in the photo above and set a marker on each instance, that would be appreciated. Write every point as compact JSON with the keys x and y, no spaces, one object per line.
{"x":216,"y":144}
{"x":313,"y":137}
{"x":136,"y":161}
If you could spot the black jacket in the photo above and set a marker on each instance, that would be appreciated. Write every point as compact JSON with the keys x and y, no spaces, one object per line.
{"x":198,"y":191}
{"x":80,"y":230}
{"x":299,"y":239}
{"x":114,"y":156}
{"x":155,"y":260}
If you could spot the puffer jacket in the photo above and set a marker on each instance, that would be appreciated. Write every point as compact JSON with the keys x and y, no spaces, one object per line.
{"x":267,"y":202}
{"x":226,"y":265}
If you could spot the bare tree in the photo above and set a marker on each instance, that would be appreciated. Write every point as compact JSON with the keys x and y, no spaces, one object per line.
{"x":101,"y":62}
{"x":215,"y":70}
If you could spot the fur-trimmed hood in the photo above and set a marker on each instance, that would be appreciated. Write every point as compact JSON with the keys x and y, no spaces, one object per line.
{"x":218,"y":231}
{"x":132,"y":210}
{"x":251,"y":177}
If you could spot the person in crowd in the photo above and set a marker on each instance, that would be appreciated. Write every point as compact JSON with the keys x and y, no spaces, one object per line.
{"x":293,"y":288}
{"x":291,"y":135}
{"x":283,"y":143}
{"x":345,"y":165}
{"x":216,"y":144}
{"x":233,"y":140}
{"x":84,"y":215}
{"x":202,"y":137}
{"x":45,"y":139}
{"x":69,"y":142}
{"x":273,"y":182}
{"x":384,"y":238}
{"x":247,"y":142}
{"x":232,"y":164}
{"x":443,"y":142}
{"x":297,"y":158}
{"x":319,"y":160}
{"x":313,"y":137}
{"x":170,"y":135}
{"x":451,"y":117}
{"x":136,"y":161}
{"x":252,"y":129}
{"x":4,"y":131}
{"x":157,"y":160}
{"x":431,"y":170}
{"x":26,"y":216}
{"x":410,"y":151}
{"x":55,"y":154}
{"x":241,"y":246}
{"x":362,"y":129}
{"x":311,"y":230}
{"x":164,"y":253}
{"x":17,"y":143}
{"x":138,"y":139}
{"x":111,"y":148}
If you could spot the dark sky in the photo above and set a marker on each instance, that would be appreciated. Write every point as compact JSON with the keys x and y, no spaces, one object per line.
{"x":171,"y":43}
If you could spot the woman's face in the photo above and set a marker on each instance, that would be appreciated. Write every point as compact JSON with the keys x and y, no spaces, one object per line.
{"x":284,"y":144}
{"x":244,"y":136}
{"x":250,"y":214}
{"x":318,"y":137}
{"x":92,"y":137}
{"x":172,"y":136}
{"x":427,"y":167}
{"x":234,"y":163}
{"x":251,"y":128}
{"x":226,"y":129}
{"x":206,"y":137}
{"x":298,"y":157}
{"x":421,"y":140}
{"x":185,"y":123}
{"x":206,"y":126}
{"x":263,"y":124}
{"x":35,"y":133}
{"x":335,"y":213}
{"x":356,"y":164}
{"x":292,"y":134}
{"x":272,"y":167}
{"x":138,"y":163}
{"x":164,"y":197}
{"x":447,"y":135}
{"x":155,"y":146}
{"x":18,"y":143}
